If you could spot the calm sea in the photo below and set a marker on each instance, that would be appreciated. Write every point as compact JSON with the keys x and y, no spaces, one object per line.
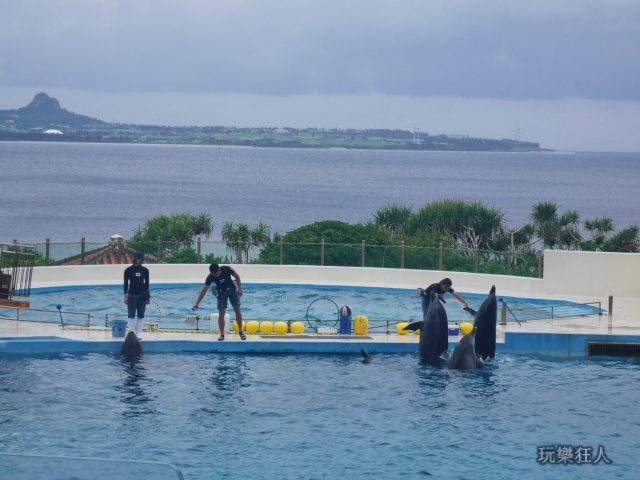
{"x":68,"y":191}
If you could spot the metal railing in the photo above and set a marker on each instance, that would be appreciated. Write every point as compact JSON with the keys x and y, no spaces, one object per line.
{"x":16,"y":266}
{"x":547,"y":312}
{"x":203,"y":323}
{"x":322,"y":253}
{"x":53,"y":316}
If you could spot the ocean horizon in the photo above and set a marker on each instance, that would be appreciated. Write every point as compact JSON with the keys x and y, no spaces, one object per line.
{"x":65,"y":191}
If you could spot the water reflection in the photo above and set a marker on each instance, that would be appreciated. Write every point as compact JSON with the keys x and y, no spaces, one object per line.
{"x":438,"y":387}
{"x":478,"y":383}
{"x":227,"y":377}
{"x":431,"y":380}
{"x":134,"y":392}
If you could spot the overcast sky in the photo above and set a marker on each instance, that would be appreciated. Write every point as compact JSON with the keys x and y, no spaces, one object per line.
{"x":565,"y":73}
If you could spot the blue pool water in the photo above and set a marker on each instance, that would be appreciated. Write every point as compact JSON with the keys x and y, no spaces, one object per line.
{"x":280,"y":302}
{"x":323,"y":416}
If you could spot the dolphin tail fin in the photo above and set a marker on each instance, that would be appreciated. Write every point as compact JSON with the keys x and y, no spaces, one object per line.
{"x":366,"y":358}
{"x":412,"y":327}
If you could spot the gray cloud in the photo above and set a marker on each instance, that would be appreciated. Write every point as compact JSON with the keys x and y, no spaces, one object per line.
{"x":497,"y":49}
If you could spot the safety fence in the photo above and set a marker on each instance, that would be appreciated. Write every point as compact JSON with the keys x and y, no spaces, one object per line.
{"x":525,"y":264}
{"x":58,"y":316}
{"x":264,"y":327}
{"x":307,"y":324}
{"x":549,"y":312}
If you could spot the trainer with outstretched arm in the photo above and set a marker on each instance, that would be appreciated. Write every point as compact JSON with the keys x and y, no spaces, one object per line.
{"x":442,"y":287}
{"x":225,"y":284}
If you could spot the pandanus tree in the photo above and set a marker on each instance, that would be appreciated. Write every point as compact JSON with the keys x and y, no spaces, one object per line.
{"x":544,"y":218}
{"x":175,"y":232}
{"x":394,"y":217}
{"x":555,"y":230}
{"x":240,"y":238}
{"x":470,"y":225}
{"x":599,"y":229}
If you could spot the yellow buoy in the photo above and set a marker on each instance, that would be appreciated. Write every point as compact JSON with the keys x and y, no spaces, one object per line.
{"x":280,"y":328}
{"x":252,"y":326}
{"x":235,"y":326}
{"x":417,"y":332}
{"x":400,"y":328}
{"x":360,"y":325}
{"x":297,"y":328}
{"x":266,"y":327}
{"x":465,"y":328}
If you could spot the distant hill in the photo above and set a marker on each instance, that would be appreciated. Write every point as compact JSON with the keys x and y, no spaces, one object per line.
{"x":45,"y":120}
{"x":45,"y":112}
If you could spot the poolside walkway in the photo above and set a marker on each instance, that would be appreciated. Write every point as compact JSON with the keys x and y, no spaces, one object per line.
{"x":565,"y":337}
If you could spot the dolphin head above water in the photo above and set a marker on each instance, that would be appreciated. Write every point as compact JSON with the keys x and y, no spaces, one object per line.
{"x":481,"y":341}
{"x":464,"y":356}
{"x":131,"y":347}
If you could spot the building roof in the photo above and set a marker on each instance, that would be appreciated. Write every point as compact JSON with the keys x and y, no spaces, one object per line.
{"x":108,"y":255}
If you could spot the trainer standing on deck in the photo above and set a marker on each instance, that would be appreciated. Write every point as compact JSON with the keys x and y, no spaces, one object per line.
{"x":442,"y":287}
{"x":136,"y":292}
{"x":228,"y":287}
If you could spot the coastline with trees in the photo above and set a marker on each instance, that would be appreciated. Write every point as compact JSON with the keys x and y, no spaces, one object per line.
{"x":449,"y":234}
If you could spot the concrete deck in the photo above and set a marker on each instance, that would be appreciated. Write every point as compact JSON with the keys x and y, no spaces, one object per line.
{"x":580,"y":278}
{"x":566,"y":337}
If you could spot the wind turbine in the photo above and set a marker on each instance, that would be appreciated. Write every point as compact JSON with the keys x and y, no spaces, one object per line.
{"x":416,"y":134}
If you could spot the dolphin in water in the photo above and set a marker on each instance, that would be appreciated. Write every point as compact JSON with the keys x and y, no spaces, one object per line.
{"x":366,"y":358}
{"x":485,"y":324}
{"x":131,"y":347}
{"x":434,"y":340}
{"x":464,"y":356}
{"x":481,"y":342}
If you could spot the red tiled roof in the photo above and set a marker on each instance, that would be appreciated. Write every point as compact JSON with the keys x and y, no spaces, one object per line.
{"x":107,"y":255}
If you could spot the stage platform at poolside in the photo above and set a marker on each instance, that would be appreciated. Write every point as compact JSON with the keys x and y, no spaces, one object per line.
{"x":566,"y":337}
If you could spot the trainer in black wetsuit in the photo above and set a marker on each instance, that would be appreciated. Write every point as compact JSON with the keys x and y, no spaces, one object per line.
{"x":136,"y":292}
{"x":440,"y":288}
{"x":228,"y":287}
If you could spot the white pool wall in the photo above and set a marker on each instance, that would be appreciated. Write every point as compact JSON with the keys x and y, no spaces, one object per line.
{"x":585,"y":275}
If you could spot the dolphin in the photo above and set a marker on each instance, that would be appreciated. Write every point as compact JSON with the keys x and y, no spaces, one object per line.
{"x":485,"y":326}
{"x":366,"y":358}
{"x":434,"y":339}
{"x":464,"y":356}
{"x":131,"y":347}
{"x":481,"y":341}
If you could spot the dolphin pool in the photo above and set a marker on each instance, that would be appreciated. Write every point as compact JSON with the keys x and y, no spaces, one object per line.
{"x":326,"y":416}
{"x":283,"y":302}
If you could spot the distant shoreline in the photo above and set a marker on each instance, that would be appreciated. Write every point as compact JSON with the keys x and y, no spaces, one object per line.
{"x":286,"y":145}
{"x":44,"y":120}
